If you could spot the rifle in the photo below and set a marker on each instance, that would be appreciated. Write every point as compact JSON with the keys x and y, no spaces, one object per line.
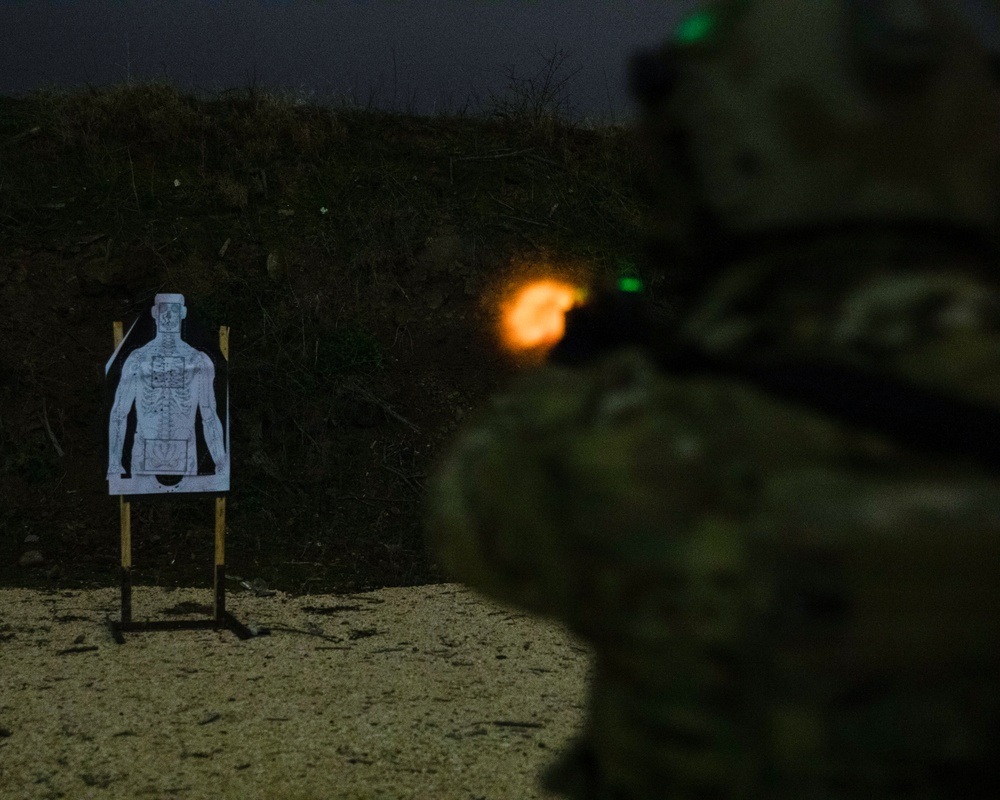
{"x":913,"y":415}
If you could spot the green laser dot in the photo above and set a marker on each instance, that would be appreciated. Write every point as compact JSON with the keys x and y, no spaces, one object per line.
{"x":696,"y":27}
{"x":630,"y":285}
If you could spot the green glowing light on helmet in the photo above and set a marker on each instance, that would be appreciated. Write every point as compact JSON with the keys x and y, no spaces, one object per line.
{"x":695,"y":27}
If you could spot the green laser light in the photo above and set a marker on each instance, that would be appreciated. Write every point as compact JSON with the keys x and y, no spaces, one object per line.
{"x":695,"y":27}
{"x":629,"y":285}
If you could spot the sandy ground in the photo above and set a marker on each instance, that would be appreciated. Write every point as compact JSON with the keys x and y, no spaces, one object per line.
{"x":422,"y":692}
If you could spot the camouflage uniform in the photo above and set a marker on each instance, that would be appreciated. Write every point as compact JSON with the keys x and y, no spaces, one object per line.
{"x":780,"y":605}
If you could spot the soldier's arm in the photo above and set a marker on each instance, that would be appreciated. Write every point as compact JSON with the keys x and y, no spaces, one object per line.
{"x":211,"y":424}
{"x":506,"y":511}
{"x":125,"y":396}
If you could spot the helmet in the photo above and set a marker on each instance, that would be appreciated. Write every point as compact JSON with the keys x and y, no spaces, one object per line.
{"x":776,"y":115}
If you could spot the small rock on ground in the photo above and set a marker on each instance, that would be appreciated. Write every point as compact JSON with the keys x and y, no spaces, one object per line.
{"x":31,"y":558}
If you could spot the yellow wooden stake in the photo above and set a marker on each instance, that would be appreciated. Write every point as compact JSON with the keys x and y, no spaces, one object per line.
{"x":220,"y":530}
{"x":220,"y":504}
{"x":220,"y":501}
{"x":126,"y":515}
{"x":124,"y":505}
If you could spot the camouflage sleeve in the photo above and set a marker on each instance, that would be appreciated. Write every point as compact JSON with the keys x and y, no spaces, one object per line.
{"x":777,"y":605}
{"x":568,"y":472}
{"x":601,"y":497}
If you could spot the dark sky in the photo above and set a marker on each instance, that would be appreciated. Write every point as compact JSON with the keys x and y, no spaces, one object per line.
{"x":445,"y":50}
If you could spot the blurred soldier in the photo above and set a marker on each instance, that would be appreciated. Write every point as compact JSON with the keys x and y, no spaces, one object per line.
{"x":782,"y":604}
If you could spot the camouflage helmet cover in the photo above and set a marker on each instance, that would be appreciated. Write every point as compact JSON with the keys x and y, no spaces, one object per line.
{"x":777,"y":114}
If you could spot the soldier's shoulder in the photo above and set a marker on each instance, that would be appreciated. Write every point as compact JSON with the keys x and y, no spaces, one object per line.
{"x":623,"y":390}
{"x":939,"y":329}
{"x":934,"y":323}
{"x":622,"y":420}
{"x":709,"y":438}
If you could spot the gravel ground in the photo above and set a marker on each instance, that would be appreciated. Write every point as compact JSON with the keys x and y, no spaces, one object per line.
{"x":417,"y":692}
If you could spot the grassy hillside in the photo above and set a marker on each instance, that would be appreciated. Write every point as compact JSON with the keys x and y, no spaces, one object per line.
{"x":358,"y":258}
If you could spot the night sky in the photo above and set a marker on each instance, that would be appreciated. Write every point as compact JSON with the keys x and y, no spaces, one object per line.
{"x":445,"y":50}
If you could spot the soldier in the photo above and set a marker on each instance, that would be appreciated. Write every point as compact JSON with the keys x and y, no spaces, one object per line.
{"x":782,"y":603}
{"x":168,"y":381}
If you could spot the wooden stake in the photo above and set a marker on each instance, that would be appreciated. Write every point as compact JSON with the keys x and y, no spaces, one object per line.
{"x":125,"y":505}
{"x":220,"y":517}
{"x":220,"y":530}
{"x":125,"y":512}
{"x":224,"y":341}
{"x":126,"y":515}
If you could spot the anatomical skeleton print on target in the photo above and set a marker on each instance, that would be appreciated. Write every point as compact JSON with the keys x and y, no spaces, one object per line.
{"x":169,"y":420}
